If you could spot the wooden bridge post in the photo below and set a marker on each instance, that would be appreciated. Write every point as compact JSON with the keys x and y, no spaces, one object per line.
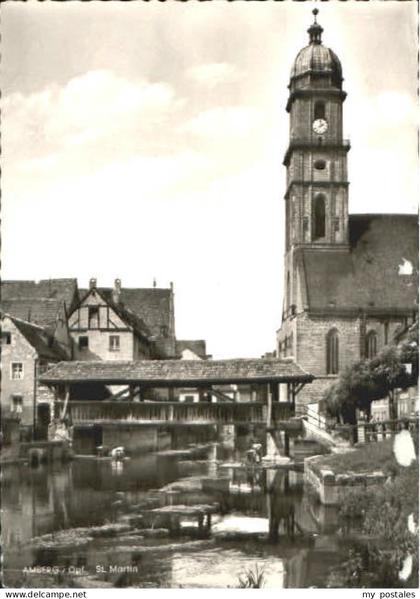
{"x":66,"y":401}
{"x":273,"y":396}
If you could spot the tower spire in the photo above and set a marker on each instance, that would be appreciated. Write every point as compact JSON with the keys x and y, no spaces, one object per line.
{"x":315,"y":30}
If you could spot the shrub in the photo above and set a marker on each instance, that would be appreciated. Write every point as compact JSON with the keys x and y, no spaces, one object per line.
{"x":252,"y":578}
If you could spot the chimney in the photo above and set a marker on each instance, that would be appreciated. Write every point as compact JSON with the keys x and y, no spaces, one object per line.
{"x":116,"y":292}
{"x":154,"y":283}
{"x":92,"y":284}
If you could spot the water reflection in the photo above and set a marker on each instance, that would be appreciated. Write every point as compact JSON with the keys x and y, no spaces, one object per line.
{"x":262,"y":517}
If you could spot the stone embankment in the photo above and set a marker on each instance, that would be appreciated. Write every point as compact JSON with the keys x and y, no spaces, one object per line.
{"x":331,"y":487}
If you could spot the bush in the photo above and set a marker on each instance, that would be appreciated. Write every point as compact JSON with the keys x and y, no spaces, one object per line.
{"x":383,"y":515}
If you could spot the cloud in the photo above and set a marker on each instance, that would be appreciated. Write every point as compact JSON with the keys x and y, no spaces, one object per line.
{"x":379,"y":116}
{"x":93,"y":106}
{"x":230,"y":121}
{"x":213,"y":74}
{"x":383,"y":161}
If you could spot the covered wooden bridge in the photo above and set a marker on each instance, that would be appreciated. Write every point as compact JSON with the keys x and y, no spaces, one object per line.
{"x":75,"y":384}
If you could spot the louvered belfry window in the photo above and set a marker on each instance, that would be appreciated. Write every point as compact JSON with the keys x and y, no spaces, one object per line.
{"x":319,"y":111}
{"x":332,"y":352}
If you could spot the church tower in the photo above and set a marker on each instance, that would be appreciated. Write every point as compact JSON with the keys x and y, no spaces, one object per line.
{"x":344,"y":298}
{"x":316,"y":198}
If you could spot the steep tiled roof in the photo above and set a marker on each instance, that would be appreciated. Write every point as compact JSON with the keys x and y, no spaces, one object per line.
{"x":138,"y":324}
{"x":198,"y":346}
{"x":368,"y":276}
{"x":39,"y":311}
{"x":152,"y":305}
{"x":41,"y":341}
{"x":179,"y":371}
{"x":59,"y":289}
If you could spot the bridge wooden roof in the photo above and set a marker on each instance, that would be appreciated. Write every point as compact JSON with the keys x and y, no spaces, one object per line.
{"x":178,"y":372}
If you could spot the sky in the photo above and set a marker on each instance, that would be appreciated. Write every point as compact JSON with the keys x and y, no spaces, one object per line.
{"x":144,"y":140}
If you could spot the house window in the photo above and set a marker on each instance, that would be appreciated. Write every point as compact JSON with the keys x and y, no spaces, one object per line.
{"x":319,"y":217}
{"x":332,"y":352}
{"x":114,"y":343}
{"x":164,"y":331}
{"x":371,"y":348}
{"x":83,"y":343}
{"x":17,"y":404}
{"x":6,"y":338}
{"x":16,"y":371}
{"x":93,"y":317}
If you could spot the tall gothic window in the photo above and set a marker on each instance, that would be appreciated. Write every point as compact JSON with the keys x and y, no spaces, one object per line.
{"x":288,"y":292}
{"x":371,"y":345}
{"x":319,"y":217}
{"x":332,"y":352}
{"x":319,"y":111}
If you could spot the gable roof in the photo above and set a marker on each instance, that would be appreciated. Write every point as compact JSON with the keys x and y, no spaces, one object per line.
{"x":366,"y":276}
{"x":172,"y":372}
{"x":63,"y":290}
{"x":153,"y":306}
{"x":198,"y":346}
{"x":130,"y":318}
{"x":40,"y":340}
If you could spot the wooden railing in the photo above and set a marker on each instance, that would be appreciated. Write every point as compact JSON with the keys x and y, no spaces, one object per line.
{"x":174,"y":412}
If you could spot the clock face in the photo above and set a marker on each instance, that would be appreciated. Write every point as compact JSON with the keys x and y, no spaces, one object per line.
{"x":320,"y":126}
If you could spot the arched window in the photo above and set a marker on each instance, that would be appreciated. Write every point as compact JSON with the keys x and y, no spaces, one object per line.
{"x":288,"y":293}
{"x":319,"y":217}
{"x":332,"y":352}
{"x":319,"y":111}
{"x":371,"y":348}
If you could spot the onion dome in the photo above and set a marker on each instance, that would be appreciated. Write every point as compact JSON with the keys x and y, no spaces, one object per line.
{"x":315,"y":57}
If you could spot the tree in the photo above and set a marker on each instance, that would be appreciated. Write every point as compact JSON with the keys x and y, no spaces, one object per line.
{"x":367,"y":380}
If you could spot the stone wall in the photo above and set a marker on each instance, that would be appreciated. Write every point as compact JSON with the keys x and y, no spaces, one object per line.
{"x":310,"y":345}
{"x":331,"y":488}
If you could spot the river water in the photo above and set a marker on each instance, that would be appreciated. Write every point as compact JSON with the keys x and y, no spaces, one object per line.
{"x":89,"y":523}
